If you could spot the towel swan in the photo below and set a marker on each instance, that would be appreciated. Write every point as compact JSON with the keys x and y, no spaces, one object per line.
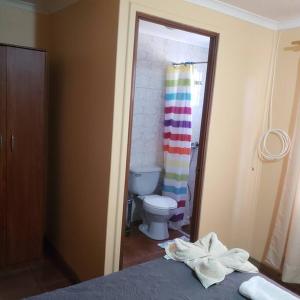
{"x":210,"y":259}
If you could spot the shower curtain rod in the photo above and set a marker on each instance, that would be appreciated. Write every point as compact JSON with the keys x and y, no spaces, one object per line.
{"x":190,"y":63}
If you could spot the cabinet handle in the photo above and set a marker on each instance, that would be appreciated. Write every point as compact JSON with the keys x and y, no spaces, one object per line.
{"x":12,"y":142}
{"x":1,"y":142}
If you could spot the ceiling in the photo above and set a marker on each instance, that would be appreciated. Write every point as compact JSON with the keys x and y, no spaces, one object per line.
{"x":279,"y":10}
{"x":274,"y":14}
{"x":46,"y":6}
{"x":174,"y":34}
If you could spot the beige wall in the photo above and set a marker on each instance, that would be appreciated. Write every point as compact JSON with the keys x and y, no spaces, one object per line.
{"x":230,"y":196}
{"x":82,"y":66}
{"x":23,"y":27}
{"x":81,"y":40}
{"x":286,"y":97}
{"x":239,"y":192}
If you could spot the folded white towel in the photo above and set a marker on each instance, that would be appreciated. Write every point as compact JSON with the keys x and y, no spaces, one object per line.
{"x":210,"y":259}
{"x":257,"y":288}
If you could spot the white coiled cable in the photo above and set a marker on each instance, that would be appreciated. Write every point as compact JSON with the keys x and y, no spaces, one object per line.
{"x":263,"y":152}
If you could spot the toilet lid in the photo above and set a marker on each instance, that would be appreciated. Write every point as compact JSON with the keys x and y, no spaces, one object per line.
{"x":161,"y":202}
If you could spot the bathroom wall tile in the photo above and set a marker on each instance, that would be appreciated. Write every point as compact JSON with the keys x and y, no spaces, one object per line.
{"x":153,"y":57}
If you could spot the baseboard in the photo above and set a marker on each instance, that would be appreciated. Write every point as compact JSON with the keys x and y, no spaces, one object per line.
{"x":266,"y":269}
{"x":255,"y":262}
{"x":50,"y":250}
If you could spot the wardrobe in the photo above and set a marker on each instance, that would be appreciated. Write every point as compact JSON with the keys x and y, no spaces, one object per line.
{"x":23,"y":142}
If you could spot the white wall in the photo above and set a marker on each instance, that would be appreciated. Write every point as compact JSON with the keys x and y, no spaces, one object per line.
{"x":196,"y":127}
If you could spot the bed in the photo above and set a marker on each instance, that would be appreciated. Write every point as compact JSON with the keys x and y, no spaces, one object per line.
{"x":159,"y":279}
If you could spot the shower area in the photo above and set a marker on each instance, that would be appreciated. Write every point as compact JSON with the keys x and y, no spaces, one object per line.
{"x":170,"y":76}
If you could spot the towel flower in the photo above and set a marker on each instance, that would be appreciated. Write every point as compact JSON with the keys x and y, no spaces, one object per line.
{"x":210,"y":259}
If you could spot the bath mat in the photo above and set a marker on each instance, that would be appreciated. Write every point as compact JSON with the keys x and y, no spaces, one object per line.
{"x":166,"y":243}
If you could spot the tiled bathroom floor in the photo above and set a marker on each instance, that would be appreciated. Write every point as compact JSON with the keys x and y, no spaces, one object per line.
{"x":138,"y":248}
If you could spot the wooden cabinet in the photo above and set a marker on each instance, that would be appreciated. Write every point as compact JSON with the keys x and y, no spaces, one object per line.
{"x":23,"y":153}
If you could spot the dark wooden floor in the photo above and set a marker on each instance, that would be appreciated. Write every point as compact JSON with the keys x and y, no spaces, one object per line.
{"x":32,"y":279}
{"x":47,"y":274}
{"x":187,"y":229}
{"x":138,"y":248}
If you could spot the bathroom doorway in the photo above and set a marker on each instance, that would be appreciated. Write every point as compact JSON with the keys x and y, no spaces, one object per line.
{"x":172,"y":82}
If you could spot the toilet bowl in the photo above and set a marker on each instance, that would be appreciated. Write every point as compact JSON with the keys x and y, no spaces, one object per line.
{"x":156,"y":209}
{"x":157,"y":212}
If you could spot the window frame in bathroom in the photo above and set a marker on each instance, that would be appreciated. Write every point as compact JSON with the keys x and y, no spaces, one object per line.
{"x":205,"y":122}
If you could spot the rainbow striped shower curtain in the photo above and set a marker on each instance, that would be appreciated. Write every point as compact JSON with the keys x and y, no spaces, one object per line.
{"x":177,"y":138}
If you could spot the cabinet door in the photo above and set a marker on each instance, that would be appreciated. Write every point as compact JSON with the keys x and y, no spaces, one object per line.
{"x":2,"y":151}
{"x":25,"y":154}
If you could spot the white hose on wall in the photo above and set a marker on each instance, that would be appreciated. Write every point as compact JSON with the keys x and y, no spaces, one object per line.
{"x":263,"y":152}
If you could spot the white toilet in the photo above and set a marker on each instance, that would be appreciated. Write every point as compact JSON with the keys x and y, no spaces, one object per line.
{"x":157,"y":209}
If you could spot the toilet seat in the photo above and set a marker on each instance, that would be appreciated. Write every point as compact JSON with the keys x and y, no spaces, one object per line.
{"x":159,"y":202}
{"x":157,"y":212}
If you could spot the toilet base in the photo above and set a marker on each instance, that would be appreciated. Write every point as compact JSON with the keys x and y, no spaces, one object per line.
{"x":156,"y":230}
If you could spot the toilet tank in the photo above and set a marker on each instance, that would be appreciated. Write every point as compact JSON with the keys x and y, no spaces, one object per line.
{"x":143,"y":181}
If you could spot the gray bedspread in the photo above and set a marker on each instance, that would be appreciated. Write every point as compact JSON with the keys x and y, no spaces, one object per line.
{"x":155,"y":280}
